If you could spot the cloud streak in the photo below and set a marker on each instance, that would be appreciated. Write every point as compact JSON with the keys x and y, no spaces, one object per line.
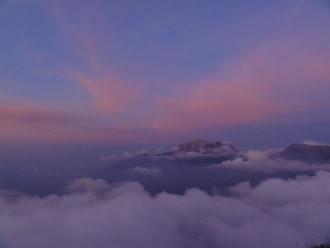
{"x":148,"y":171}
{"x":39,"y":115}
{"x":248,"y":91}
{"x":111,"y":96}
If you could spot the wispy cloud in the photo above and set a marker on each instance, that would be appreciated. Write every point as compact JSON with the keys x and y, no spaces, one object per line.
{"x":32,"y":114}
{"x":111,"y":96}
{"x":315,"y":143}
{"x":148,"y":171}
{"x":118,"y":84}
{"x":254,"y":87}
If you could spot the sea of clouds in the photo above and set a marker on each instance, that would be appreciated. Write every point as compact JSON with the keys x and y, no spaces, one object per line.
{"x":94,"y":213}
{"x":256,"y":200}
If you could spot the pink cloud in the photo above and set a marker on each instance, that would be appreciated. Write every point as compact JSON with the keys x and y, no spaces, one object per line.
{"x":110,"y":95}
{"x":32,"y":114}
{"x":35,"y":124}
{"x":267,"y":82}
{"x":278,"y":76}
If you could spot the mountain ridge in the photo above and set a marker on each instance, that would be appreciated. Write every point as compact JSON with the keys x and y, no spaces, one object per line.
{"x":307,"y":152}
{"x":199,"y":147}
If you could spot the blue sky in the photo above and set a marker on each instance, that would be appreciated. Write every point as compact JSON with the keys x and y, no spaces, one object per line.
{"x":147,"y":72}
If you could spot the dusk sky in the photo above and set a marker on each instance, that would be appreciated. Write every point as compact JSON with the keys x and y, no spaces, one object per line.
{"x":154,"y":72}
{"x":164,"y":123}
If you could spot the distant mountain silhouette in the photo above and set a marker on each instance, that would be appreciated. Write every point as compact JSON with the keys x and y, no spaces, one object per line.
{"x":307,"y":153}
{"x":200,"y":147}
{"x":196,"y":152}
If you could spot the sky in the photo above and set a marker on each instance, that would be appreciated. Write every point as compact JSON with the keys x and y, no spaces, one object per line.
{"x":154,"y":72}
{"x":88,"y":87}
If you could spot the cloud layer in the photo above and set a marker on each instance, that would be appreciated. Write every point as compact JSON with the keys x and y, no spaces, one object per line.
{"x":274,"y":214}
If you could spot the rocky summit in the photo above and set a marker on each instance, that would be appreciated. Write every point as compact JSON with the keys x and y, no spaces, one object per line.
{"x":206,"y":147}
{"x":307,"y":153}
{"x":192,"y":146}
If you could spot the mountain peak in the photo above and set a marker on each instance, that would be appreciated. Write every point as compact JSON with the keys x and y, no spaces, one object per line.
{"x":307,"y":152}
{"x":205,"y":147}
{"x":192,"y":146}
